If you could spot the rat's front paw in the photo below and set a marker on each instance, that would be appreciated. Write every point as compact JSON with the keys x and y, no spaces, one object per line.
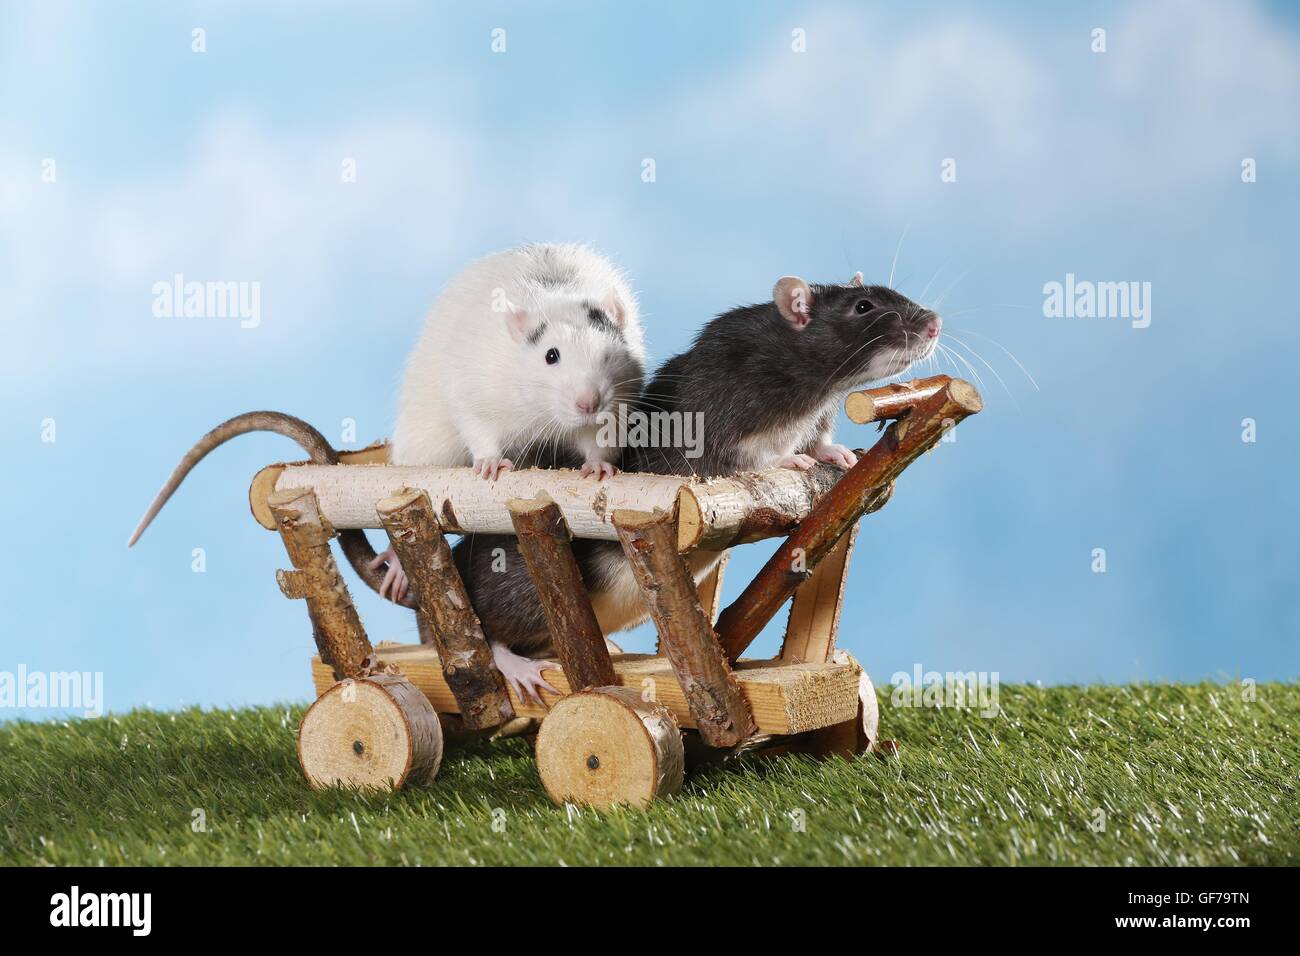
{"x":492,"y":468}
{"x":523,"y":674}
{"x":840,"y":455}
{"x":395,"y":584}
{"x":601,"y":469}
{"x":796,"y":462}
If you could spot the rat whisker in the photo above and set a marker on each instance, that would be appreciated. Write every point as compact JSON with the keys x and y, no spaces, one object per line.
{"x":957,"y":356}
{"x":894,"y":264}
{"x":855,"y":352}
{"x":932,"y":278}
{"x":967,"y":347}
{"x":952,"y":285}
{"x":1006,"y":350}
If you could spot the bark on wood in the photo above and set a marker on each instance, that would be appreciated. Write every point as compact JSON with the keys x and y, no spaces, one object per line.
{"x":792,"y":564}
{"x":892,"y":401}
{"x":375,"y":733}
{"x":452,"y":625}
{"x":784,"y":698}
{"x":265,"y":480}
{"x":336,"y":626}
{"x":685,"y":633}
{"x":544,"y":541}
{"x":721,"y":512}
{"x":714,"y":514}
{"x":606,"y":747}
{"x":814,"y":622}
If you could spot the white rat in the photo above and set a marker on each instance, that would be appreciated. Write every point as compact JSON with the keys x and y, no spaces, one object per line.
{"x":518,"y":358}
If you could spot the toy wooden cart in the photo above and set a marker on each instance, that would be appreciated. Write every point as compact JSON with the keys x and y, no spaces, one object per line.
{"x":615,"y":732}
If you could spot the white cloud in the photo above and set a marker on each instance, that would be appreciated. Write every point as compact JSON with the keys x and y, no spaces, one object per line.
{"x":872,"y":107}
{"x":244,"y":204}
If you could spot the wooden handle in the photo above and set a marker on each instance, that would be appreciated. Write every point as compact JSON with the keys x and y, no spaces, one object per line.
{"x":902,"y":443}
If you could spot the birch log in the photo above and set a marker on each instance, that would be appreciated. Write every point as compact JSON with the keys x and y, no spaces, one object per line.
{"x":714,"y":513}
{"x":792,"y":564}
{"x":450,"y":622}
{"x":336,"y":626}
{"x":720,"y":512}
{"x":544,"y":541}
{"x":685,"y":632}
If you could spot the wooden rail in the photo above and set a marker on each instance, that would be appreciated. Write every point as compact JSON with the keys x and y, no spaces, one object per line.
{"x":714,"y":514}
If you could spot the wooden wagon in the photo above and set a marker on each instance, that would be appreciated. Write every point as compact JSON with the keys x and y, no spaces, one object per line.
{"x":622,"y":726}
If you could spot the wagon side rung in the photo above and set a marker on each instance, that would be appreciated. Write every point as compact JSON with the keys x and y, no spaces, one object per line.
{"x":448,"y":618}
{"x":336,"y":626}
{"x":721,"y":713}
{"x":546,"y":545}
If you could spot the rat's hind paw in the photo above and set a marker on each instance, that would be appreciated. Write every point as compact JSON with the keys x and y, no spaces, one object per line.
{"x":523,"y":674}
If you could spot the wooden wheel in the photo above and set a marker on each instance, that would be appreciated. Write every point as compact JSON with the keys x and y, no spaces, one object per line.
{"x":607,"y":746}
{"x":374,"y":733}
{"x":868,"y":713}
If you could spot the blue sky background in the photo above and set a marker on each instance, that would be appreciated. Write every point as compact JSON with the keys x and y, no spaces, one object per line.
{"x":226,"y":165}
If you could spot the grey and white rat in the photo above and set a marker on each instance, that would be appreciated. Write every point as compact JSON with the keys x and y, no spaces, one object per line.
{"x":520,"y":358}
{"x":523,"y":347}
{"x":768,"y":380}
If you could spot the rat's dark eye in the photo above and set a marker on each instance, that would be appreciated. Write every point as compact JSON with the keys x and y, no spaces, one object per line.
{"x":552,"y":356}
{"x":863,"y":307}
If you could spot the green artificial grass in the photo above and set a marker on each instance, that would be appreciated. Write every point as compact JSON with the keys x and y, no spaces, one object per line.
{"x":1184,"y":775}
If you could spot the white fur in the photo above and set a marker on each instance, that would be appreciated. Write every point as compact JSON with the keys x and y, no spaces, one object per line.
{"x":472,"y":390}
{"x":766,"y":449}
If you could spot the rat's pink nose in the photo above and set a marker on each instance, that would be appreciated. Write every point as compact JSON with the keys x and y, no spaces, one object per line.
{"x":587,"y":403}
{"x":932,"y":327}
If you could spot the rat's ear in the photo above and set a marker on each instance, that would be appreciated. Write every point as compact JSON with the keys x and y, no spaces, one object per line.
{"x":794,"y":300}
{"x":856,"y":281}
{"x":516,"y":321}
{"x":613,"y":307}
